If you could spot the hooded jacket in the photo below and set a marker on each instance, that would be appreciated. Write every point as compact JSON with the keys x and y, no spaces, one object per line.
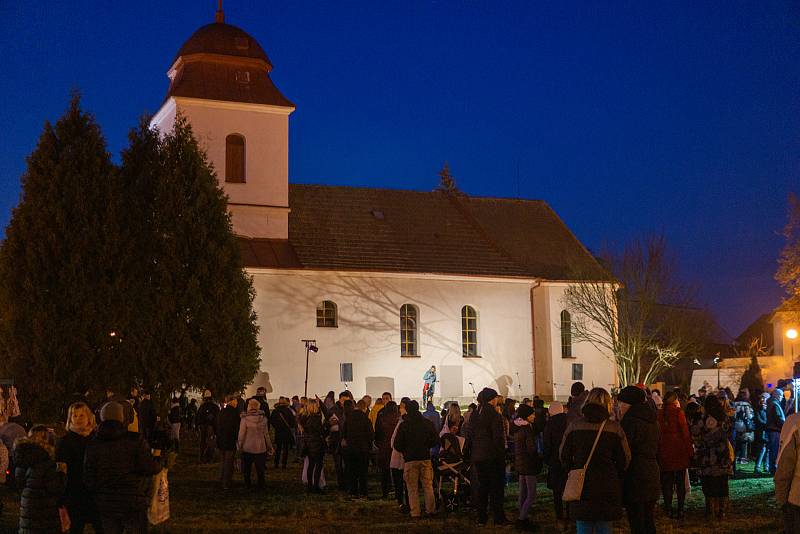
{"x":253,"y":436}
{"x":602,"y":489}
{"x":675,"y":448}
{"x":117,"y":469}
{"x":41,"y":486}
{"x":643,"y":477}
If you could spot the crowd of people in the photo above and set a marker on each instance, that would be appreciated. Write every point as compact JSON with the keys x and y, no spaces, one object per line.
{"x":635,"y":448}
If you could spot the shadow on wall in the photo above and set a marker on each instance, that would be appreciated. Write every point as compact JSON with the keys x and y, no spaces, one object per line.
{"x":503,"y":384}
{"x":261,"y":380}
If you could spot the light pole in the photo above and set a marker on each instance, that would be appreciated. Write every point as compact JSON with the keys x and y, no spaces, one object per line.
{"x":716,"y":363}
{"x":791,"y":335}
{"x":310,"y":347}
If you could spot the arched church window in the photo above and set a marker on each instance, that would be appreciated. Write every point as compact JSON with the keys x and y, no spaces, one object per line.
{"x":234,"y":159}
{"x":409,"y":330}
{"x":327,"y":315}
{"x":566,"y":334}
{"x":469,"y":331}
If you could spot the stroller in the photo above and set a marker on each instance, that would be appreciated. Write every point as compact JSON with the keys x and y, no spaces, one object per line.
{"x":452,"y":471}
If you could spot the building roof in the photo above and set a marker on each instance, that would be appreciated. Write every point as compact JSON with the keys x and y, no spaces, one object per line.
{"x":365,"y":229}
{"x":222,"y":62}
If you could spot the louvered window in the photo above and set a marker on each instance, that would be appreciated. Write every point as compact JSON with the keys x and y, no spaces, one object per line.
{"x":234,"y":159}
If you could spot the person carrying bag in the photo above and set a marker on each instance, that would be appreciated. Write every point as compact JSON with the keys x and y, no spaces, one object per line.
{"x":576,"y":477}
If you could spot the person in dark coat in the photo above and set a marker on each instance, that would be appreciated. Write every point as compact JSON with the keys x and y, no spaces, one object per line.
{"x":117,"y":470}
{"x":283,"y":421}
{"x":314,"y":431}
{"x":147,"y":416}
{"x":414,"y":440}
{"x":601,"y":501}
{"x":527,"y":462}
{"x":642,"y":484}
{"x":577,"y":398}
{"x":486,"y":446}
{"x":712,"y":455}
{"x":206,"y":423}
{"x":551,"y":441}
{"x":357,"y":435}
{"x":760,"y":434}
{"x":41,"y":483}
{"x":675,"y":452}
{"x":71,"y":450}
{"x":775,"y":420}
{"x":227,"y":436}
{"x":384,"y":428}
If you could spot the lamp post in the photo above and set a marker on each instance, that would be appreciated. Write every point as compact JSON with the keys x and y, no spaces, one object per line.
{"x":310,"y":347}
{"x":791,"y":335}
{"x":716,"y":363}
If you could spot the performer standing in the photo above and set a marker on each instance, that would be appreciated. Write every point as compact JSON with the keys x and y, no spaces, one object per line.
{"x":430,"y":384}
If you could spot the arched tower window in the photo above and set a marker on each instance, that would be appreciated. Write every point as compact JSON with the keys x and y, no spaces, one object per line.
{"x":234,"y":159}
{"x":409,"y":330}
{"x":469,"y":331}
{"x":566,"y":334}
{"x":327,"y":315}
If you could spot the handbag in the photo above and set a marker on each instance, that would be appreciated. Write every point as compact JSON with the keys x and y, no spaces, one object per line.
{"x":158,"y":511}
{"x":576,"y":477}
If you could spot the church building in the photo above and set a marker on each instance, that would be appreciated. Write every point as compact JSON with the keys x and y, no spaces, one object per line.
{"x":386,"y":282}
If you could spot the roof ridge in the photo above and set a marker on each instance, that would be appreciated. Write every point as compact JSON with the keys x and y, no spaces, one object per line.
{"x":402,"y":190}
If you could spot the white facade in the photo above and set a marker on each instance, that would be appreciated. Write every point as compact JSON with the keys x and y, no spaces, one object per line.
{"x":368,"y":335}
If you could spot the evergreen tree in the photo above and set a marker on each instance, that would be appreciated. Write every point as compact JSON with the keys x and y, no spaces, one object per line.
{"x":57,"y":268}
{"x":788,"y":274}
{"x":752,"y":379}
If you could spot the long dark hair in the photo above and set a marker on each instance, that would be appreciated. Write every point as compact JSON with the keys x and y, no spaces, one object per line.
{"x":714,"y":408}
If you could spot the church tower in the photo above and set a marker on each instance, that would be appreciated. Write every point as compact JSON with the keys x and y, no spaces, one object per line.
{"x":219,"y":81}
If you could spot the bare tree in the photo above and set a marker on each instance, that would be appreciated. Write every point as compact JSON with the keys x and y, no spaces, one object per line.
{"x":639,"y":313}
{"x":788,"y":274}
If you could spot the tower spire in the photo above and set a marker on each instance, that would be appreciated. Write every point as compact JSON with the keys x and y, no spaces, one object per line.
{"x":446,"y":183}
{"x":219,"y":16}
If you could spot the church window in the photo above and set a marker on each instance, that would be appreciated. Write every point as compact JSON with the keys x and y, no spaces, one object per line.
{"x":409,"y":331}
{"x":577,"y":371}
{"x":327,"y":315}
{"x":469,"y":332}
{"x":234,"y":158}
{"x":566,"y":334}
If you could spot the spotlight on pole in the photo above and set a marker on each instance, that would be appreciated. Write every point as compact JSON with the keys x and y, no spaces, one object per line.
{"x":311,"y":346}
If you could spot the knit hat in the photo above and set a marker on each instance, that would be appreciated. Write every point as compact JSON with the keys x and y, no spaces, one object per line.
{"x":524,"y":411}
{"x":412,"y":407}
{"x":486,"y":395}
{"x":207,"y":394}
{"x":555,"y":408}
{"x":112,"y":411}
{"x":632,"y":395}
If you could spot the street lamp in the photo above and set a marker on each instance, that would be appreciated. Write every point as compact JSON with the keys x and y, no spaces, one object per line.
{"x":716,"y":363}
{"x":791,"y":335}
{"x":311,"y":346}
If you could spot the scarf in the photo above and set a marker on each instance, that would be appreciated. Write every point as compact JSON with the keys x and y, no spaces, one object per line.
{"x":82,"y":430}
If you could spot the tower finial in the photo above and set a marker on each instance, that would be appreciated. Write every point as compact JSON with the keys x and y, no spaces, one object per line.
{"x":220,"y":15}
{"x":446,"y":183}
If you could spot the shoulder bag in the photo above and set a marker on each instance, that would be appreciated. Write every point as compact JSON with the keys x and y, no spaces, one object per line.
{"x":574,"y":486}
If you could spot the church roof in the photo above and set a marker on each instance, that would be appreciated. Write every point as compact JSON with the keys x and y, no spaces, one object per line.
{"x":222,"y":62}
{"x":365,"y":229}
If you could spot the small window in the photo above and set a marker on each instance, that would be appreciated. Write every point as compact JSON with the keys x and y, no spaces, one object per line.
{"x":346,"y":373}
{"x":577,"y":371}
{"x":408,"y":330}
{"x":242,"y":43}
{"x":469,"y":332}
{"x":566,"y":335}
{"x":326,"y":314}
{"x":234,"y":158}
{"x":243,"y":76}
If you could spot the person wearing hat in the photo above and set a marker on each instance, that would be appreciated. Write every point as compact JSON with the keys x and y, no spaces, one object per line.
{"x":527,"y":463}
{"x":556,"y":474}
{"x":642,"y":485}
{"x":206,"y":424}
{"x":117,"y":465}
{"x":486,"y":443}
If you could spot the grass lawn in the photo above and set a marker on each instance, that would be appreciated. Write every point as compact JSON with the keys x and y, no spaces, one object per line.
{"x":199,"y":505}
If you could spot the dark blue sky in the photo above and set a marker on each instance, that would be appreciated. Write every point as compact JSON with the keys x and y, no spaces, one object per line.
{"x":673,"y":118}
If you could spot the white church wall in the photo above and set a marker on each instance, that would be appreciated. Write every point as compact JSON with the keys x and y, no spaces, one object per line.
{"x":368,"y":333}
{"x":597,"y":366}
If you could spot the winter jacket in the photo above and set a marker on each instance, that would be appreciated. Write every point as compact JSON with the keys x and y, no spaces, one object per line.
{"x":760,"y":419}
{"x":283,"y":421}
{"x":384,"y":428}
{"x":787,"y":477}
{"x":575,"y":406}
{"x":526,"y":454}
{"x":117,"y":469}
{"x":396,"y":461}
{"x":602,"y":489}
{"x":207,"y":414}
{"x":263,"y":405}
{"x":41,"y":487}
{"x":551,"y":442}
{"x":433,"y":416}
{"x":314,"y":431}
{"x":71,"y":449}
{"x":147,"y":416}
{"x":712,"y":450}
{"x":775,"y":416}
{"x":174,"y":415}
{"x":253,"y":436}
{"x":356,"y":433}
{"x":743,"y":421}
{"x":675,"y":448}
{"x":227,"y":428}
{"x":415,"y":437}
{"x":643,"y":477}
{"x":486,"y":438}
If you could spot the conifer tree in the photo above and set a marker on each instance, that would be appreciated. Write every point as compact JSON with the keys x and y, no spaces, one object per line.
{"x":57,"y":268}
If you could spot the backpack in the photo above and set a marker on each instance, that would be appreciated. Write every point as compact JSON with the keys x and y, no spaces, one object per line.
{"x":742,"y":423}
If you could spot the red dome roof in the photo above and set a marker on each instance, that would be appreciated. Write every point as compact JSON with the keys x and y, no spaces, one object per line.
{"x":223,"y":39}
